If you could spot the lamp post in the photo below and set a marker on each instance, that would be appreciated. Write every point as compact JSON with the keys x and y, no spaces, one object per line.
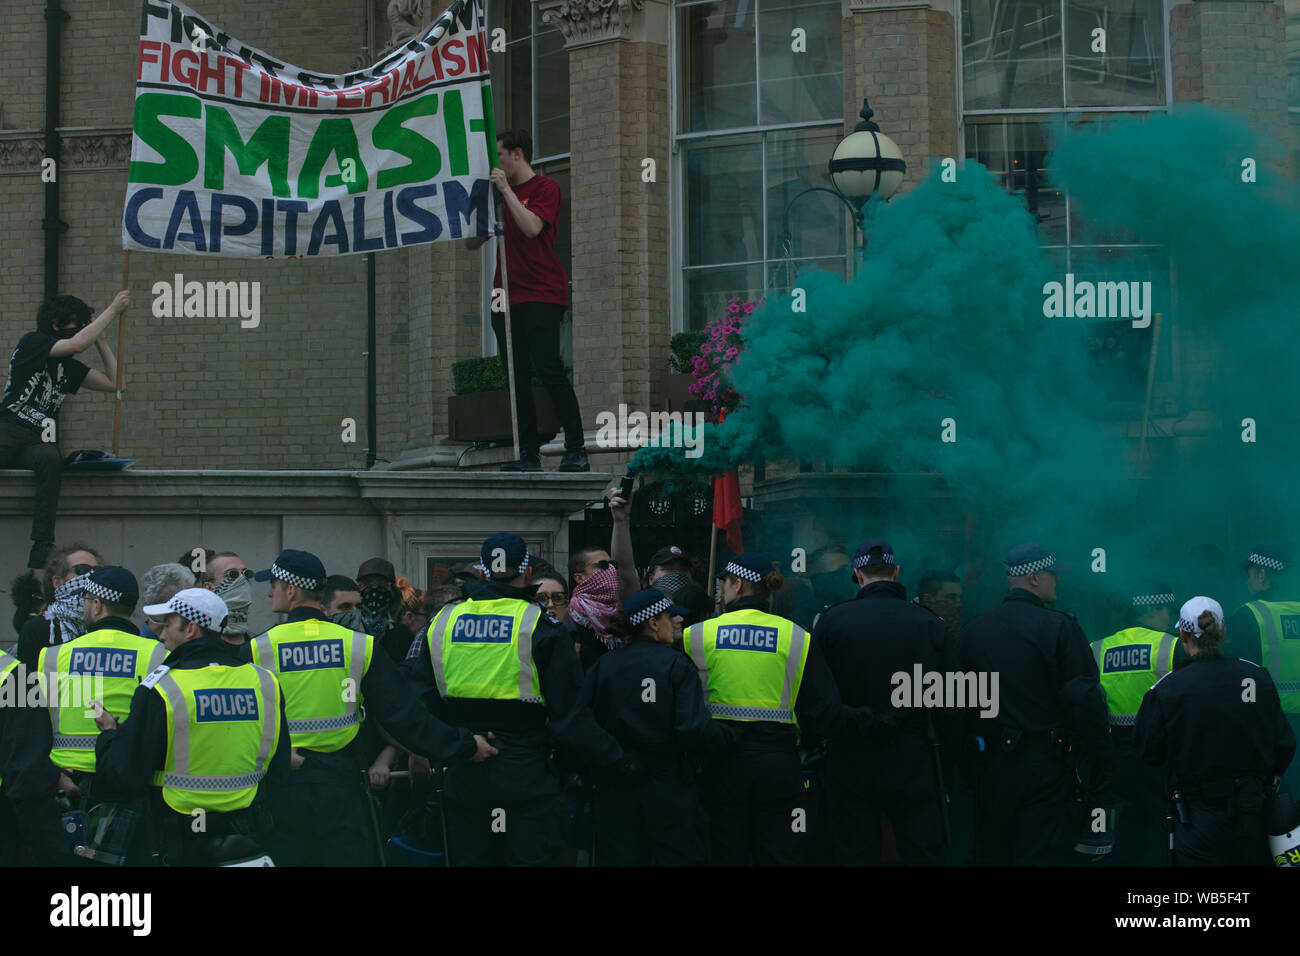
{"x":865,"y":163}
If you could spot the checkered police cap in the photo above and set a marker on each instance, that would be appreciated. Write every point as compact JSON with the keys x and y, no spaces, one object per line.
{"x":1153,"y":600}
{"x":1029,"y":567}
{"x":1190,"y":615}
{"x":740,"y":571}
{"x":297,"y":580}
{"x":1264,"y":561}
{"x":640,"y":617}
{"x":112,"y":585}
{"x":194,"y":604}
{"x":862,"y":560}
{"x":107,"y":595}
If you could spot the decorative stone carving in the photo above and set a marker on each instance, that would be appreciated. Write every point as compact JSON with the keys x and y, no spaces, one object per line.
{"x":96,"y":149}
{"x":405,"y":19}
{"x":21,"y":155}
{"x":592,"y":21}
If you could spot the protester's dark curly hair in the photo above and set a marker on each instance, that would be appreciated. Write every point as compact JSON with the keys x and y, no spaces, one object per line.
{"x":60,"y":309}
{"x":28,"y":594}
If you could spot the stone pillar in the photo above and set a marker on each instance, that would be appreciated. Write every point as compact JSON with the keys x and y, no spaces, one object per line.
{"x":900,"y":55}
{"x":618,"y":117}
{"x":1231,"y":54}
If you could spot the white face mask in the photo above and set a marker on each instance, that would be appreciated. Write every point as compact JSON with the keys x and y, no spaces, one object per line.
{"x":237,"y":592}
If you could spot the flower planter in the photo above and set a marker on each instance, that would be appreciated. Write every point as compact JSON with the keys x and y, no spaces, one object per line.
{"x":485,"y":416}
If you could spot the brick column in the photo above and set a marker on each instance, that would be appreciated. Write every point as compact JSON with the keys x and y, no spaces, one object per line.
{"x":618,"y":116}
{"x":900,"y":55}
{"x":1231,"y":54}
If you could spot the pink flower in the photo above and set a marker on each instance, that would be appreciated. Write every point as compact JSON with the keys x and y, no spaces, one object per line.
{"x":731,"y":354}
{"x":749,"y":307}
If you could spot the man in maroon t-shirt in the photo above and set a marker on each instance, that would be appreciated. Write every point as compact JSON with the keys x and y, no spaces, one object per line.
{"x":539,"y":294}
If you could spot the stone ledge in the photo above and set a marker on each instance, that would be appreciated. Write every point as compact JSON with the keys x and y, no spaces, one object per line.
{"x":160,"y":493}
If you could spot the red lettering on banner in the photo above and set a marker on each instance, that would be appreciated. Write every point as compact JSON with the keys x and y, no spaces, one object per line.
{"x":476,"y":49}
{"x":149,"y":46}
{"x":210,"y":72}
{"x":451,"y":52}
{"x":437,"y":74}
{"x":240,"y":67}
{"x":342,"y":99}
{"x":380,"y":86}
{"x":193,"y":58}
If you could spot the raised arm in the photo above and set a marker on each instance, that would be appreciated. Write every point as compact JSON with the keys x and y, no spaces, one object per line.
{"x":87,"y":336}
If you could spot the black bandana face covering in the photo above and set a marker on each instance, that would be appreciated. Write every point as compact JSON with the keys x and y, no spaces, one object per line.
{"x":375,"y":602}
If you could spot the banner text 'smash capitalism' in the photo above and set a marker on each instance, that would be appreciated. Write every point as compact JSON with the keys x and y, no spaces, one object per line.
{"x":237,"y":154}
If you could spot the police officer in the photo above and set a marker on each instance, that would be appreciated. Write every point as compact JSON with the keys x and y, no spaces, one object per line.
{"x":760,"y":671}
{"x":108,"y":663}
{"x":1218,"y":726}
{"x":1130,"y":662}
{"x":1266,"y":630}
{"x":867,"y":641}
{"x":29,"y":818}
{"x":648,"y":696}
{"x":328,"y":672}
{"x":497,"y":664}
{"x":1050,"y":697}
{"x":204,"y":727}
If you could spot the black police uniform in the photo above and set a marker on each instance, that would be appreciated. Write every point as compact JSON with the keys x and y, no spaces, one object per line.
{"x":750,"y":792}
{"x":29,"y":818}
{"x":866,"y":641}
{"x":508,"y":810}
{"x":1049,"y":694}
{"x":653,"y":816}
{"x":1140,"y":799}
{"x":127,"y":758}
{"x":1222,"y":753}
{"x":1242,"y":640}
{"x":321,"y":816}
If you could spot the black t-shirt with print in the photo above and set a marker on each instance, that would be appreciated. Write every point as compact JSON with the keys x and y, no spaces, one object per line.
{"x":38,"y":384}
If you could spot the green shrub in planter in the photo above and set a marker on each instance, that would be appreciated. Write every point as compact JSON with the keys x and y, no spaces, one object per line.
{"x":684,"y":346}
{"x":482,"y":375}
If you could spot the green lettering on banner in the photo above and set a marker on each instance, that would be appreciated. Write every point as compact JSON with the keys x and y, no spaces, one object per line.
{"x":180,"y":163}
{"x":425,"y":160}
{"x":334,"y":136}
{"x":268,"y":145}
{"x":488,"y":125}
{"x":453,"y":114}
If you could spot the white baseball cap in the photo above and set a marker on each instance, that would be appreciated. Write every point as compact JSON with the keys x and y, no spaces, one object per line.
{"x":194,"y":604}
{"x":1189,"y":617}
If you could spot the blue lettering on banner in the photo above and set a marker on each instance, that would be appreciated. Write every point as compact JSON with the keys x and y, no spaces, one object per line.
{"x":108,"y":661}
{"x":311,"y":655}
{"x":1130,"y":657}
{"x":1291,"y":627}
{"x":482,"y":629}
{"x":747,"y":637}
{"x":225,"y":703}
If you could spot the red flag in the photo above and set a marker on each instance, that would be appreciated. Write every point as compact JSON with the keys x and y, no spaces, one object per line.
{"x":726,"y":508}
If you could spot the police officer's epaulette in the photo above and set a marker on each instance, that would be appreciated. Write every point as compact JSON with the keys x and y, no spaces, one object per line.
{"x":155,"y":675}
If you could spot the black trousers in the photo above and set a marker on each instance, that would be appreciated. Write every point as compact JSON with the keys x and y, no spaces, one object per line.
{"x":535,"y":328}
{"x":894,"y":780}
{"x":1214,"y":837}
{"x":1024,"y":809}
{"x":507,"y":810}
{"x":755,"y":799}
{"x":320,"y":819}
{"x":1140,"y":807}
{"x":21,"y":447}
{"x":651,"y":819}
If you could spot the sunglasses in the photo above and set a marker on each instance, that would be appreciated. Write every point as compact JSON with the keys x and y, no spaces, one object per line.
{"x":80,"y":569}
{"x":551,"y":600}
{"x":236,"y":572}
{"x":602,"y":565}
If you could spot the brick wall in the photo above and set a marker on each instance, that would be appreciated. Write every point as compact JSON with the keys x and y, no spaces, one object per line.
{"x":619,"y":117}
{"x":903,"y":62}
{"x":1232,"y":54}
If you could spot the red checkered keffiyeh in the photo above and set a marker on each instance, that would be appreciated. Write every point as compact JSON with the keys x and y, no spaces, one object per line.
{"x":593,"y":603}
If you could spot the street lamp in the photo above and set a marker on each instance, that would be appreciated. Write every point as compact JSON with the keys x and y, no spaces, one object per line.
{"x":866,"y":163}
